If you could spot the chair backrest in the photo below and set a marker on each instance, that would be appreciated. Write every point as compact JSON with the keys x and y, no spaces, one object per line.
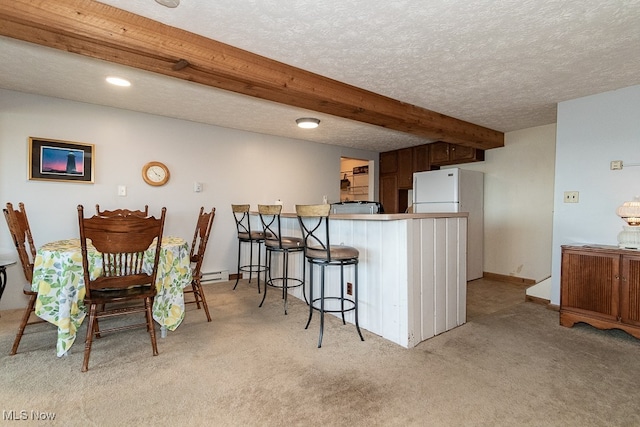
{"x":22,"y":238}
{"x":122,"y":242}
{"x":314,"y":224}
{"x":200,"y":240}
{"x":270,"y":218}
{"x":122,"y":212}
{"x":242,"y":217}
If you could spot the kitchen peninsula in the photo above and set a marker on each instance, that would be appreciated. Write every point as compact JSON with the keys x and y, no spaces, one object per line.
{"x":412,"y":271}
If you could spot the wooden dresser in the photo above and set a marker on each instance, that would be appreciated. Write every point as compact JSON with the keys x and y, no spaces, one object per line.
{"x":600,"y":285}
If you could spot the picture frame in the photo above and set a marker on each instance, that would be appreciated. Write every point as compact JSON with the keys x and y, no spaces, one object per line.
{"x":57,"y":160}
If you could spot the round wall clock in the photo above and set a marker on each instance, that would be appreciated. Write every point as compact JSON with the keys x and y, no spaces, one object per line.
{"x":155,"y":173}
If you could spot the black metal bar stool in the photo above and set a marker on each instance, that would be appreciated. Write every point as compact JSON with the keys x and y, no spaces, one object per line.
{"x":275,"y":242}
{"x":247,"y":235}
{"x":314,"y":223}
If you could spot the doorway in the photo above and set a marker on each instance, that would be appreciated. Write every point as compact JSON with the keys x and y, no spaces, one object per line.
{"x":355,"y":180}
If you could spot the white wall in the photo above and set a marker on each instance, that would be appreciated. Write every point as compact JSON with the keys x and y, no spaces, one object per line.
{"x":593,"y":131}
{"x":518,"y":181}
{"x":235,"y":167}
{"x":518,"y":204}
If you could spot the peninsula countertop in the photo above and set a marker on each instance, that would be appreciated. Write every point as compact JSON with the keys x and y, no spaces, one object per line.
{"x":389,"y":217}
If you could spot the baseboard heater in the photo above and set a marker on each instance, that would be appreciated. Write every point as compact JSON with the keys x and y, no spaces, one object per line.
{"x":215,"y":276}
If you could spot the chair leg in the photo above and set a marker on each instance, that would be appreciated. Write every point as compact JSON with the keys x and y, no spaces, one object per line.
{"x":148,"y":303}
{"x":285,"y":275}
{"x":304,"y":278}
{"x":342,"y":293}
{"x":23,"y":323}
{"x":194,"y":291}
{"x":321,"y":306}
{"x":266,"y":285}
{"x":259,"y":265}
{"x":251,"y":263}
{"x":97,"y":335}
{"x":238,"y":276}
{"x":89,"y":338}
{"x":310,"y":294}
{"x":199,"y":293}
{"x":355,"y":301}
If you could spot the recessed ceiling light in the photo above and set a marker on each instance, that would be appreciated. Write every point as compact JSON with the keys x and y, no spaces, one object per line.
{"x":169,"y":3}
{"x":307,"y":122}
{"x":118,"y":81}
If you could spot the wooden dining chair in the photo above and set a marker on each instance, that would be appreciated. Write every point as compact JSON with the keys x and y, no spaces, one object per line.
{"x":198,"y":248}
{"x":23,"y":240}
{"x":128,"y":274}
{"x":122,"y":212}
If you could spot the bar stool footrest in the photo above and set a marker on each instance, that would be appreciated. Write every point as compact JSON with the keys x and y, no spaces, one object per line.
{"x":253,"y":268}
{"x":351,"y":303}
{"x":298,"y":282}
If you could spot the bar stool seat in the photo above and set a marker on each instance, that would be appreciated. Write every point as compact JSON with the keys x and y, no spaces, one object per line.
{"x":247,"y":235}
{"x":314,"y":222}
{"x":275,"y":242}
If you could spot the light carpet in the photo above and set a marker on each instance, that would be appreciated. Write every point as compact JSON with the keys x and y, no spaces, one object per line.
{"x":255,"y":366}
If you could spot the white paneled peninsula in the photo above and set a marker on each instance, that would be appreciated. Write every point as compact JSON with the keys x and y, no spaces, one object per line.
{"x":412,"y":272}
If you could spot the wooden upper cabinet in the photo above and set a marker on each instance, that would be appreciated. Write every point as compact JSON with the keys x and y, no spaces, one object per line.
{"x":389,"y":193}
{"x":389,"y":162}
{"x":405,"y":168}
{"x":443,"y":154}
{"x":460,"y":152}
{"x":398,"y":166}
{"x":421,"y":161}
{"x":439,"y":153}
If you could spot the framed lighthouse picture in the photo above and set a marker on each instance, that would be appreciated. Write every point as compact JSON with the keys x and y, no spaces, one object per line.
{"x":55,"y":160}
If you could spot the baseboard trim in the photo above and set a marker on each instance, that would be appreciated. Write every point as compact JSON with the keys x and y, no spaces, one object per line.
{"x":508,"y":279}
{"x":542,"y":301}
{"x":537,"y":300}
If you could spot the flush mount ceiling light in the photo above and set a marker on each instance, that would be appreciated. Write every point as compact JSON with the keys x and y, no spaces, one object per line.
{"x":169,"y":3}
{"x":307,"y":122}
{"x":118,"y":81}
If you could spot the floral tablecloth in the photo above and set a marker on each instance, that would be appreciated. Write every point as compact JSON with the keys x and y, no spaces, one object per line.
{"x":58,"y":279}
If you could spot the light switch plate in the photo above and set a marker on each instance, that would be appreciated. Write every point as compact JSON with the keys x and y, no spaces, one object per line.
{"x":122,"y":190}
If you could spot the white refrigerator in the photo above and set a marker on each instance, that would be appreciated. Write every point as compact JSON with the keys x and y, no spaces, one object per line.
{"x":455,"y":190}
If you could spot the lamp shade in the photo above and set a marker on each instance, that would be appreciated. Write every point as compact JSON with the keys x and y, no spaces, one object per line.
{"x":630,"y":211}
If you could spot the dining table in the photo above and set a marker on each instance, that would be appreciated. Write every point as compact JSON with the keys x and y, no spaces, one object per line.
{"x":58,"y":278}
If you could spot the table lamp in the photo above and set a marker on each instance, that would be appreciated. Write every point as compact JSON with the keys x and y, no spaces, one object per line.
{"x":629,"y":237}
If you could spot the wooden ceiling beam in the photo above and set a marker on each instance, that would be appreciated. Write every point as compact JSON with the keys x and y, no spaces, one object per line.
{"x":100,"y":31}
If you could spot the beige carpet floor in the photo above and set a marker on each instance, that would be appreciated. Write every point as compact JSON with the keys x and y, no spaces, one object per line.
{"x":510,"y":365}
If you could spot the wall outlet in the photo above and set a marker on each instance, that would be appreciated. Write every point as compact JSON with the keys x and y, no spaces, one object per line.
{"x":349,"y":288}
{"x":197,"y":187}
{"x":616,"y":165}
{"x":122,"y":190}
{"x":571,"y":196}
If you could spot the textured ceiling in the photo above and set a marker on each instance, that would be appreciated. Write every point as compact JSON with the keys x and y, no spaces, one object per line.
{"x":500,"y":64}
